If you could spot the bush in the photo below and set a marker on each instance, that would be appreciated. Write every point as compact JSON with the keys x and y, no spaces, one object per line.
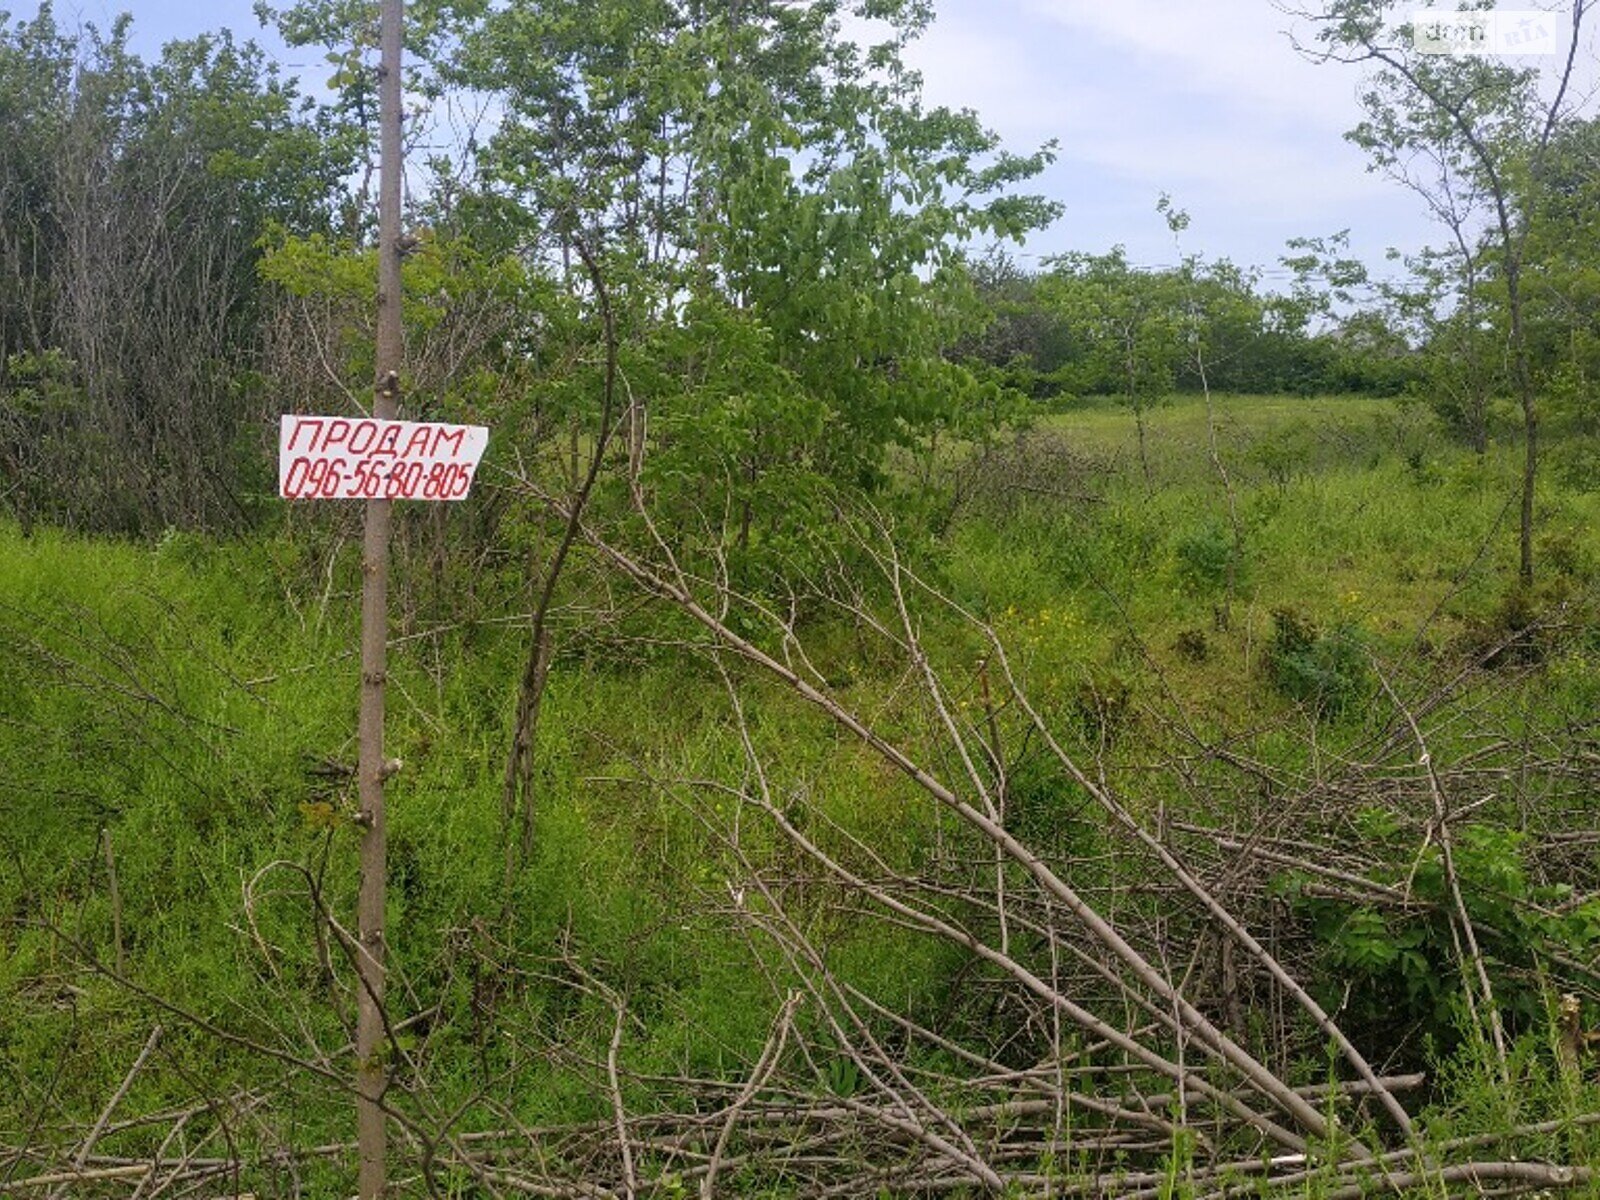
{"x":1286,"y":453}
{"x":1203,"y":556}
{"x":1327,"y":669}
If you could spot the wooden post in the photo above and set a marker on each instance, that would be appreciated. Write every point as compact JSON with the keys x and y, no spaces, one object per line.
{"x":371,"y":1066}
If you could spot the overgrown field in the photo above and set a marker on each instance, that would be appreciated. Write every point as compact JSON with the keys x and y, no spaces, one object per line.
{"x":735,"y":942}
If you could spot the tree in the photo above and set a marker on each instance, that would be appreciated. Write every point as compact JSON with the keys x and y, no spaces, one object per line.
{"x":1564,"y":276}
{"x":1133,"y":320}
{"x":1022,"y":340}
{"x":1450,"y":306}
{"x":1478,"y":120}
{"x":741,"y":243}
{"x":1220,"y":297}
{"x":134,"y":188}
{"x":748,"y":165}
{"x":779,"y":224}
{"x":1454,"y":309}
{"x":36,"y":74}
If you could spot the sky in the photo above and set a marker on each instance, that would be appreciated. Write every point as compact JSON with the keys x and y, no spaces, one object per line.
{"x":1205,"y":100}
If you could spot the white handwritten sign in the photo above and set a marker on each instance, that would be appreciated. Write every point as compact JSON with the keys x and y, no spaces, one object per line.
{"x":352,"y":458}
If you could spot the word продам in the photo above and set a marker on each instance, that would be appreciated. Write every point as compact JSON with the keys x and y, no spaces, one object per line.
{"x":336,"y":458}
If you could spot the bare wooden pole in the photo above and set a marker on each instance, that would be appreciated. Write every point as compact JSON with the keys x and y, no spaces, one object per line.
{"x":370,"y":1070}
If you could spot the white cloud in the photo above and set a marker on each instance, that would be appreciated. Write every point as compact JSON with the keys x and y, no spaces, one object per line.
{"x":1207,"y":100}
{"x":996,"y":70}
{"x":1234,"y":52}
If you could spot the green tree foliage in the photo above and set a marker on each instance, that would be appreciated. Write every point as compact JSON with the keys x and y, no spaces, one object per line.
{"x":1484,"y":125}
{"x":1238,"y":337}
{"x":1367,"y":328}
{"x":1455,"y":309}
{"x":1076,"y":327}
{"x":140,"y":189}
{"x":36,"y":70}
{"x":1022,"y":340}
{"x":1134,"y":325}
{"x":749,"y":167}
{"x":779,"y":221}
{"x":1564,"y":275}
{"x":1504,"y":309}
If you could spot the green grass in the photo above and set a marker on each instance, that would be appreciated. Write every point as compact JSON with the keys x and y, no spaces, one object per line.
{"x":1361,"y":514}
{"x":178,"y":701}
{"x":181,"y":701}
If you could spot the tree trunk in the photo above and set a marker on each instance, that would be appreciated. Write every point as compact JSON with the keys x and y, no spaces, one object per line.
{"x":371,"y":1075}
{"x":1530,"y":410}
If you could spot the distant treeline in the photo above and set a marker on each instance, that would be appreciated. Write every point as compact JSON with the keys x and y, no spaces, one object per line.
{"x":1094,"y":324}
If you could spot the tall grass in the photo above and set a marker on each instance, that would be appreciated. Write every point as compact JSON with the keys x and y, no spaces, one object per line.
{"x":190,"y":706}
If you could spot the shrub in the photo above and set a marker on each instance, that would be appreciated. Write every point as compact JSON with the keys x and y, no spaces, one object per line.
{"x":1203,"y":555}
{"x":1192,"y":645}
{"x":1327,"y":669}
{"x":1286,"y":454}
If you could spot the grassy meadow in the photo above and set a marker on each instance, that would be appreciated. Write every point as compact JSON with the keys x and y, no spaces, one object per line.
{"x":177,"y":724}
